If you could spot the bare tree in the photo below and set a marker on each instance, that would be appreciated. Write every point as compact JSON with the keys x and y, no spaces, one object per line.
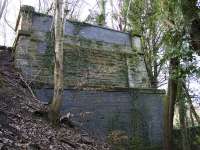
{"x":58,"y":68}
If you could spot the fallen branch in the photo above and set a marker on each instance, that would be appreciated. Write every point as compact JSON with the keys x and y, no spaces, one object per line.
{"x":70,"y":143}
{"x":27,"y":85}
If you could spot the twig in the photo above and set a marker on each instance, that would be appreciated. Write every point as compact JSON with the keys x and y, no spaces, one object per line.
{"x":6,"y":21}
{"x":27,"y":85}
{"x":3,"y":8}
{"x":69,"y":142}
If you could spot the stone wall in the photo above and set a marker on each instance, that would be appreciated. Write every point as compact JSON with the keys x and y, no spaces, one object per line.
{"x":105,"y":77}
{"x":135,"y":112}
{"x":94,"y":57}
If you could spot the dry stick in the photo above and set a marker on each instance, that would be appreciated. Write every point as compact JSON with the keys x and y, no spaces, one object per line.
{"x":3,"y":8}
{"x":27,"y":85}
{"x":50,"y":8}
{"x":6,"y":21}
{"x":191,"y":116}
{"x":8,"y":80}
{"x":191,"y":105}
{"x":69,"y":142}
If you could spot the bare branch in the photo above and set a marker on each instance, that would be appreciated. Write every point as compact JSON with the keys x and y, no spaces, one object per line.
{"x":191,"y":105}
{"x":3,"y":8}
{"x":27,"y":85}
{"x":5,"y":19}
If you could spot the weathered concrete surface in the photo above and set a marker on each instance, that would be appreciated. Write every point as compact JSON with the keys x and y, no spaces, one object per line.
{"x":94,"y":57}
{"x":137,"y":112}
{"x":96,"y":60}
{"x":21,"y":128}
{"x":88,"y":31}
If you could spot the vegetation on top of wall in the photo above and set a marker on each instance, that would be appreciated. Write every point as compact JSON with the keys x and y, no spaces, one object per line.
{"x":27,"y":9}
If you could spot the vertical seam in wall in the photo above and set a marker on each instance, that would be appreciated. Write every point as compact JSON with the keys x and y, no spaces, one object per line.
{"x":127,"y":73}
{"x":127,"y":60}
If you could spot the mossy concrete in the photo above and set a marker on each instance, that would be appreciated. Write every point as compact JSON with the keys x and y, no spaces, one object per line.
{"x":94,"y":57}
{"x":105,"y":80}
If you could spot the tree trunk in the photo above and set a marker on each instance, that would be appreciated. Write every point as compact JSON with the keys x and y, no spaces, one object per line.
{"x":183,"y":117}
{"x":58,"y":67}
{"x":192,"y":109}
{"x":169,"y":104}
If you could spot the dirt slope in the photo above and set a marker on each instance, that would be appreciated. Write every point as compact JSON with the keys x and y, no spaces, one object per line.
{"x":20,"y":129}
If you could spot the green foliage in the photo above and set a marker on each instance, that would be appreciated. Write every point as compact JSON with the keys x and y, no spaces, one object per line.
{"x":193,"y":134}
{"x":137,"y":143}
{"x":171,"y":18}
{"x":146,"y":18}
{"x":189,"y":9}
{"x":177,"y":39}
{"x":188,"y":64}
{"x":100,"y":19}
{"x":197,"y":140}
{"x":143,"y":15}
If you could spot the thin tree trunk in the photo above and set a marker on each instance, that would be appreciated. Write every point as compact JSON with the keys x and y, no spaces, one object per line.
{"x":183,"y":117}
{"x":192,"y":109}
{"x":169,"y":104}
{"x":148,"y":68}
{"x":155,"y":65}
{"x":127,"y":13}
{"x":192,"y":119}
{"x":112,"y":13}
{"x":58,"y":68}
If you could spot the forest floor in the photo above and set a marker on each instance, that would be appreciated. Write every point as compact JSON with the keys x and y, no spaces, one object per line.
{"x":22,"y":129}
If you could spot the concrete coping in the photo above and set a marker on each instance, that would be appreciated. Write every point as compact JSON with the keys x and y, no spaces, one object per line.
{"x":131,"y":90}
{"x":30,"y":9}
{"x":83,"y":26}
{"x":88,"y":24}
{"x":24,"y":9}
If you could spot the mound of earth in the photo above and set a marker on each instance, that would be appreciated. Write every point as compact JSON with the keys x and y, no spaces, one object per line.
{"x":20,"y":129}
